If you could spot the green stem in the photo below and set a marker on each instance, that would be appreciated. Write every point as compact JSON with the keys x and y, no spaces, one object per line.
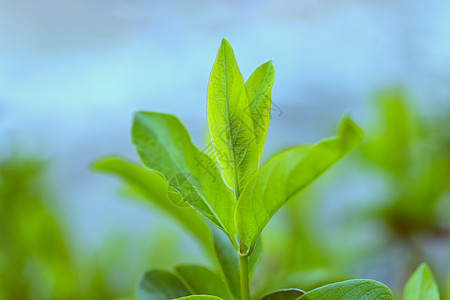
{"x":245,"y":286}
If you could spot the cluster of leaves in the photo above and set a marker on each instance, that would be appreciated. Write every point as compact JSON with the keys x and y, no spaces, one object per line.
{"x":227,"y":188}
{"x":191,"y":282}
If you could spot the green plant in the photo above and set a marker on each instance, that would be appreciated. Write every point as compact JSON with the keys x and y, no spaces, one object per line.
{"x":227,"y":188}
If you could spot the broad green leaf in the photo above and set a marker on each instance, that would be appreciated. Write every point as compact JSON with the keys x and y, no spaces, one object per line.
{"x":285,"y":294}
{"x":285,"y":175}
{"x":200,"y":280}
{"x":421,"y":285}
{"x":228,"y":261}
{"x":200,"y":297}
{"x":359,"y":289}
{"x":160,"y":285}
{"x":153,"y":187}
{"x":259,"y":88}
{"x":230,"y":122}
{"x":164,"y":146}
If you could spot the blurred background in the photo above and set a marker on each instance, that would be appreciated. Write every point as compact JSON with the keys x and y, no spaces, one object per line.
{"x":73,"y":72}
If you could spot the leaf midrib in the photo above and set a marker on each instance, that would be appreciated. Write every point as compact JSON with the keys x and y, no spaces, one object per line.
{"x":180,"y":170}
{"x":229,"y":141}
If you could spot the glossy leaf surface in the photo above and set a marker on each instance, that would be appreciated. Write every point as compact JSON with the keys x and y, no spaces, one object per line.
{"x":358,"y":289}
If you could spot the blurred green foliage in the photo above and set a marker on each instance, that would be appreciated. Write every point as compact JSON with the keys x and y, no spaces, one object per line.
{"x":409,"y":150}
{"x":35,"y":257}
{"x":413,"y":153}
{"x":34,"y":261}
{"x":154,"y":189}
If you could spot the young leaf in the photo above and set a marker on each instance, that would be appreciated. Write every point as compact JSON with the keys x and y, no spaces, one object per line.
{"x":359,"y":289}
{"x":160,"y":285}
{"x":421,"y":285}
{"x":259,"y":88}
{"x":164,"y":146}
{"x":230,"y":122}
{"x":285,"y":175}
{"x":285,"y":294}
{"x":200,"y":297}
{"x":154,"y":188}
{"x":200,"y":280}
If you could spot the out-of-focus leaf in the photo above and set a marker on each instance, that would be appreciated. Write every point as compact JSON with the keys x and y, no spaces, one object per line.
{"x":200,"y":280}
{"x":286,"y":294}
{"x":228,"y":261}
{"x":448,"y":287}
{"x":421,"y":285}
{"x":259,"y":88}
{"x":160,"y":285}
{"x":230,"y":122}
{"x":413,"y":153}
{"x":200,"y":297}
{"x":285,"y":175}
{"x":255,"y":257}
{"x":358,"y":289}
{"x":150,"y":184}
{"x":34,"y":255}
{"x":397,"y":130}
{"x":164,"y":145}
{"x":154,"y":188}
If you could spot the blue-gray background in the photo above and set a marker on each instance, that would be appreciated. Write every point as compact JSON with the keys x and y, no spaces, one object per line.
{"x":73,"y":72}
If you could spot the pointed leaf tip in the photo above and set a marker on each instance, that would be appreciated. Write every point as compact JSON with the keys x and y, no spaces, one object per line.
{"x":421,"y":285}
{"x":229,"y":122}
{"x":284,"y":176}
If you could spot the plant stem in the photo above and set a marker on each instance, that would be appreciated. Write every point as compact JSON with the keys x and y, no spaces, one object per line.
{"x":245,"y":286}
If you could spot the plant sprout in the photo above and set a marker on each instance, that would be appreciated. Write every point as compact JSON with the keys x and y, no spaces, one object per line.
{"x":228,"y":188}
